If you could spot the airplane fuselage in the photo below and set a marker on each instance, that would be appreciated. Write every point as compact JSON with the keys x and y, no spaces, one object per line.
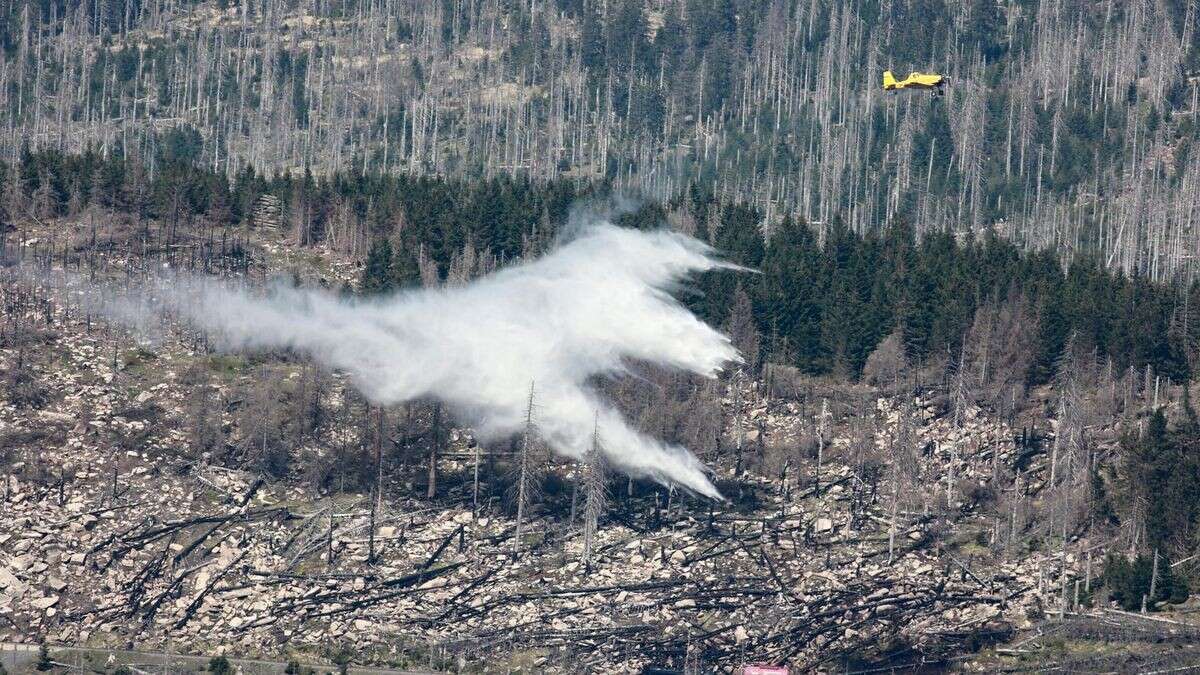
{"x":915,"y":80}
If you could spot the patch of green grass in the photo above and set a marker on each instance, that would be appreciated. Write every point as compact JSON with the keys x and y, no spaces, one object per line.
{"x":136,"y":357}
{"x":225,"y":365}
{"x":972,"y":542}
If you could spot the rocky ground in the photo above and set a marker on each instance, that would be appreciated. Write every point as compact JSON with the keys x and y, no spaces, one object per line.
{"x":814,"y":565}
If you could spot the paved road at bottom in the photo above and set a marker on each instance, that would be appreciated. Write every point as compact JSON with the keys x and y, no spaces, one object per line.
{"x":14,"y":655}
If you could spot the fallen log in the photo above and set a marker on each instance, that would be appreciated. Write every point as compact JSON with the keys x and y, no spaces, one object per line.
{"x":199,"y":599}
{"x":442,"y":547}
{"x":452,"y":603}
{"x":171,"y":591}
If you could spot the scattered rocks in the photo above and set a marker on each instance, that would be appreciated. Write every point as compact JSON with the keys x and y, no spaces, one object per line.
{"x":269,"y":578}
{"x":45,"y":602}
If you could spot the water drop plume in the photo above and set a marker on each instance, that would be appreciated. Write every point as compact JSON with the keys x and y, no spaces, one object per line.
{"x":600,"y":299}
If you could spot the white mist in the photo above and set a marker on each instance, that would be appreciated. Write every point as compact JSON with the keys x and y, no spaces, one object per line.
{"x":586,"y":308}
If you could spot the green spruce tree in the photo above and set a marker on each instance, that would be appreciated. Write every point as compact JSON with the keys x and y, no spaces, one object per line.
{"x":377,"y":275}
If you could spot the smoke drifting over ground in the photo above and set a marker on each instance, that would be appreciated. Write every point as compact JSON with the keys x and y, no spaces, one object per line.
{"x":598,"y":300}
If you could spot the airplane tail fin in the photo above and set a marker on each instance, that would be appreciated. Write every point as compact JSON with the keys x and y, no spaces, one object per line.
{"x":889,"y":80}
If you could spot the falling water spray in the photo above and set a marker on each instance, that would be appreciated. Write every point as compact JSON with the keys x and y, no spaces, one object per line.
{"x":599,"y":300}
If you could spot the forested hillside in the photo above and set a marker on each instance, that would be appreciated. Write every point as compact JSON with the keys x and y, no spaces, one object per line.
{"x":906,"y":403}
{"x":1067,"y":125}
{"x":962,"y":428}
{"x":819,"y":305}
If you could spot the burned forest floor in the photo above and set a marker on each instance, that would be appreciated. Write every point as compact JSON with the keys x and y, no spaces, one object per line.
{"x":862,"y":528}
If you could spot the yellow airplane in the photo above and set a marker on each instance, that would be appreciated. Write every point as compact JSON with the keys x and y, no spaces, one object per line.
{"x":915,"y":80}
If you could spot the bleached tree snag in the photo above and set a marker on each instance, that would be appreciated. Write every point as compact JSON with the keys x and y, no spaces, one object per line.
{"x":434,"y":448}
{"x":1154,"y":577}
{"x":822,"y":429}
{"x":575,"y":493}
{"x":525,"y":478}
{"x":595,"y":495}
{"x":329,"y":539}
{"x":377,"y":491}
{"x":738,"y":433}
{"x":892,"y":523}
{"x":475,"y":481}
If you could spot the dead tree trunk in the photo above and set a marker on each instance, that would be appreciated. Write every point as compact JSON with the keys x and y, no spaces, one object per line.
{"x":431,"y":491}
{"x":821,"y":429}
{"x":329,"y":540}
{"x":377,"y":502}
{"x":595,"y":496}
{"x":475,"y":487}
{"x":524,"y":469}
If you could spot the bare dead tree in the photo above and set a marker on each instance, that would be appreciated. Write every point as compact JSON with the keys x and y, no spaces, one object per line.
{"x":527,"y":483}
{"x":960,"y":400}
{"x":904,"y":467}
{"x":822,"y":428}
{"x":377,"y":486}
{"x":595,"y":495}
{"x":475,"y":480}
{"x":434,"y":449}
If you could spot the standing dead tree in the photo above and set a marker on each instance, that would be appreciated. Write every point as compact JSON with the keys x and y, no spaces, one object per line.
{"x":904,"y":466}
{"x":960,"y":401}
{"x":526,"y":472}
{"x":1070,"y":463}
{"x":434,"y":448}
{"x":823,"y":423}
{"x":595,"y":488}
{"x":377,"y":486}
